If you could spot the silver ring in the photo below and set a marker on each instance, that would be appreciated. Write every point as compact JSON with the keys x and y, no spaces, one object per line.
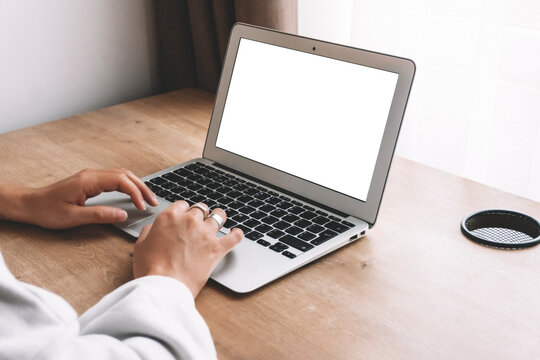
{"x":201,"y":207}
{"x":217,"y":218}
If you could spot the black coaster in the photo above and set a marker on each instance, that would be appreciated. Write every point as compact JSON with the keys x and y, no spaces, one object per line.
{"x":501,"y":229}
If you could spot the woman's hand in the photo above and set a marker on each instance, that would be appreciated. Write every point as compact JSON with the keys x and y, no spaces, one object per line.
{"x":182,"y":243}
{"x":62,"y":204}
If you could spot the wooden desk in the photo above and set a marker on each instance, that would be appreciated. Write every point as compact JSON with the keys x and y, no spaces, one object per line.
{"x":413,"y":288}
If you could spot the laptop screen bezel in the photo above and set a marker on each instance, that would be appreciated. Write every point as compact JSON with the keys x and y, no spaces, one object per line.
{"x":365,"y":210}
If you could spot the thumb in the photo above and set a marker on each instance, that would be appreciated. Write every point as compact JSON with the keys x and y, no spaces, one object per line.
{"x":99,"y":215}
{"x":231,"y":239}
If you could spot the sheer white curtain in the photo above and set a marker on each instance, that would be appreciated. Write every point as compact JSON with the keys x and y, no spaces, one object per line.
{"x":475,"y":104}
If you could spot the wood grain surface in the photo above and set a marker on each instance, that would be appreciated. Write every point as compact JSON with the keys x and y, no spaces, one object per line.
{"x":413,"y":288}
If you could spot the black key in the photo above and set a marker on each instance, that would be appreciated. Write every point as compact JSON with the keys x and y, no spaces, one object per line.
{"x":213,"y":185}
{"x":187,"y":194}
{"x":263,"y":228}
{"x":198,"y":198}
{"x":244,"y":198}
{"x":183,"y":172}
{"x":267,"y":208}
{"x":261,"y":189}
{"x":269,"y":219}
{"x":324,"y":236}
{"x":307,"y":207}
{"x":284,"y":205}
{"x":194,"y":186}
{"x":223,"y":190}
{"x":322,"y":213}
{"x":214,"y":196}
{"x":224,"y":200}
{"x":193,"y":166}
{"x":258,"y":214}
{"x":230,"y":223}
{"x":273,"y":200}
{"x":236,"y":205}
{"x":231,"y":212}
{"x":315,"y":228}
{"x":297,"y":203}
{"x":307,"y":236}
{"x":210,"y":203}
{"x":240,"y":187}
{"x":240,"y":218}
{"x":252,"y":223}
{"x":273,"y":193}
{"x":240,"y":180}
{"x":288,"y":254}
{"x":308,"y":215}
{"x":335,"y":218}
{"x":246,"y":209}
{"x":254,"y":235}
{"x":205,"y":191}
{"x":184,"y":183}
{"x":303,"y":223}
{"x":163,"y":193}
{"x":173,"y":198}
{"x":158,"y":180}
{"x":278,"y":213}
{"x":178,"y":189}
{"x":333,"y":225}
{"x":296,"y":210}
{"x":251,"y":191}
{"x":282,"y":225}
{"x":154,"y":188}
{"x":234,"y":194}
{"x":296,"y":243}
{"x":173,"y":177}
{"x":276,"y":234}
{"x":278,"y":247}
{"x":255,"y":203}
{"x":168,"y":185}
{"x":290,"y":218}
{"x":284,"y":198}
{"x":263,"y":242}
{"x":321,"y":220}
{"x":189,"y":201}
{"x":294,"y":230}
{"x":195,"y":177}
{"x":346,"y":223}
{"x":230,"y":183}
{"x":204,"y":181}
{"x":262,"y":196}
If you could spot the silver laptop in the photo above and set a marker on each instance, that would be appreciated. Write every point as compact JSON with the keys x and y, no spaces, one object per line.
{"x":297,"y":153}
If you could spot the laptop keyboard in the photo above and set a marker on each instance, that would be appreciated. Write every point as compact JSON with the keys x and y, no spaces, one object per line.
{"x":273,"y":220}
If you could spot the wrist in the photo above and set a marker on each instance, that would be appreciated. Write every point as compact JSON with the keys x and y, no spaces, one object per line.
{"x":14,"y":202}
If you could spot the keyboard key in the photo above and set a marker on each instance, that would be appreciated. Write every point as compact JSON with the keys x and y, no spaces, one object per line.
{"x":244,"y":228}
{"x":333,"y":225}
{"x":214,"y":196}
{"x":246,"y":209}
{"x":303,"y":223}
{"x":284,"y":205}
{"x":308,"y":215}
{"x":283,"y":197}
{"x":204,"y":181}
{"x":263,"y":242}
{"x":223,"y":190}
{"x":269,"y":219}
{"x":158,"y":180}
{"x":252,"y":223}
{"x":273,"y":193}
{"x":263,"y":228}
{"x":288,"y":254}
{"x":173,"y":198}
{"x":278,"y":213}
{"x":296,"y":243}
{"x":346,"y":223}
{"x":240,"y":218}
{"x":163,"y":193}
{"x":267,"y":208}
{"x":234,"y":194}
{"x":195,"y":177}
{"x":172,"y":177}
{"x":321,"y":220}
{"x":322,"y":213}
{"x":186,"y":194}
{"x":290,"y":218}
{"x":224,"y":200}
{"x":296,"y":210}
{"x":307,"y":207}
{"x":273,"y":200}
{"x":205,"y":191}
{"x":240,"y":187}
{"x":198,"y":198}
{"x":244,"y":199}
{"x":231,"y":212}
{"x":230,"y":223}
{"x":323,"y":237}
{"x":255,"y":203}
{"x":213,"y":185}
{"x":193,"y":186}
{"x":279,"y":247}
{"x":258,"y":214}
{"x":276,"y":234}
{"x":282,"y":225}
{"x":254,"y":235}
{"x":307,"y":236}
{"x":315,"y":228}
{"x":262,"y":196}
{"x":168,"y":185}
{"x":334,"y":218}
{"x":210,"y":203}
{"x":251,"y":191}
{"x":294,"y":230}
{"x":183,"y":172}
{"x":236,"y":205}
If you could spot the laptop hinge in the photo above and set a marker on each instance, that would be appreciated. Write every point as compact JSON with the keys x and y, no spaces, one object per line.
{"x":322,"y":206}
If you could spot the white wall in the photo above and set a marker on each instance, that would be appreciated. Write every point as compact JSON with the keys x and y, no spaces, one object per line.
{"x":64,"y":57}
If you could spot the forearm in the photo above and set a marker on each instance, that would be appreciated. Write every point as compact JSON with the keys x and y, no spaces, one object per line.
{"x":12,"y":202}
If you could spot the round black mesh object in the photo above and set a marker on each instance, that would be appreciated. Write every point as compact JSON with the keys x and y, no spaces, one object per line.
{"x":502,"y":229}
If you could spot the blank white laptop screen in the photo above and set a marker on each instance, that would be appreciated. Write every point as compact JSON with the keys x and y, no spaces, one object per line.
{"x":317,"y":118}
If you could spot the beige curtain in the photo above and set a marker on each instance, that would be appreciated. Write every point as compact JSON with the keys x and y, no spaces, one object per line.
{"x":192,"y":35}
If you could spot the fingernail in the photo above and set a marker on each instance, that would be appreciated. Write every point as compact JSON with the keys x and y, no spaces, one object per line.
{"x":120,"y":215}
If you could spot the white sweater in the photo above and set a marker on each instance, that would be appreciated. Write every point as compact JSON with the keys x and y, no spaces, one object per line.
{"x":153,"y":317}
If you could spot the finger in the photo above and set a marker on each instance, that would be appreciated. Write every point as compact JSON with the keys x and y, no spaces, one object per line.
{"x":97,"y":215}
{"x":144,"y":233}
{"x":232,"y":239}
{"x":199,"y":208}
{"x":116,"y":179}
{"x":215,"y":221}
{"x":147,"y":194}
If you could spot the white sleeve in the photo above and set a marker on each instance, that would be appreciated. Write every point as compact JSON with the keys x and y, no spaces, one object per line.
{"x":153,"y":317}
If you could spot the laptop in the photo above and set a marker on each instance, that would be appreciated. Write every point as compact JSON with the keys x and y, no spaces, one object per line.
{"x":297,"y":152}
